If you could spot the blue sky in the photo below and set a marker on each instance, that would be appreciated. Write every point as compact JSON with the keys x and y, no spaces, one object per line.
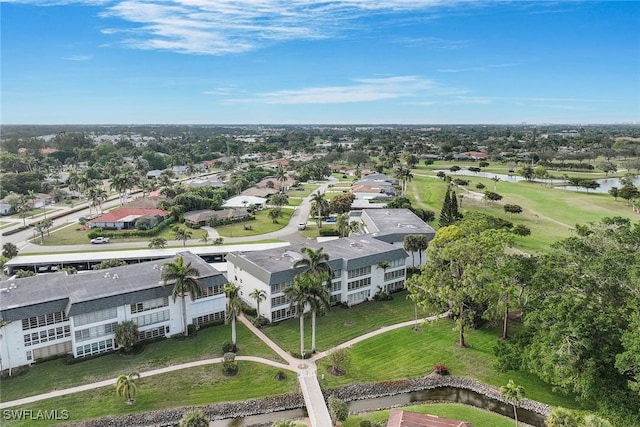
{"x":319,"y":62}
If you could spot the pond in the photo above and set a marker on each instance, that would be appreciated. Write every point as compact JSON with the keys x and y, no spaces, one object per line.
{"x":605,"y":183}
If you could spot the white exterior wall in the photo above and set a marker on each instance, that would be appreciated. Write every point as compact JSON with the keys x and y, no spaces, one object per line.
{"x":13,"y":352}
{"x":247,"y":283}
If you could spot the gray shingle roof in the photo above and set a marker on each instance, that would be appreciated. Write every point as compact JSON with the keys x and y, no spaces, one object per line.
{"x":95,"y":290}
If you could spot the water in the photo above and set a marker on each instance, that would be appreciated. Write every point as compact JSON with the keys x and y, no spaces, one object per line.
{"x":447,"y":394}
{"x":605,"y":183}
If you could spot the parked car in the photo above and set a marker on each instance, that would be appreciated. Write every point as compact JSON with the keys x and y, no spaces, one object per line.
{"x":302,"y":226}
{"x":99,"y":240}
{"x":331,"y":219}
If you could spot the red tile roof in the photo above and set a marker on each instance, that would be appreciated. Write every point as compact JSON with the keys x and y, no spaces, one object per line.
{"x":117,"y":214}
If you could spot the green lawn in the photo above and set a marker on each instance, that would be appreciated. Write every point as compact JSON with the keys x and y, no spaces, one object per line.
{"x":455,"y":411}
{"x":550,"y":213}
{"x":308,"y":189}
{"x":195,"y":386}
{"x":262,"y":224}
{"x":45,"y":376}
{"x":414,"y":354}
{"x":342,"y":324}
{"x":75,"y":234}
{"x":4,"y":224}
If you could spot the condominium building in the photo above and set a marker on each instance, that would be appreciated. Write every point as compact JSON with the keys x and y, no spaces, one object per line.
{"x":361,"y":267}
{"x":55,"y":314}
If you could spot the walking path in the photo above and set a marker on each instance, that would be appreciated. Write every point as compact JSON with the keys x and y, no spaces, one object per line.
{"x":306,"y":370}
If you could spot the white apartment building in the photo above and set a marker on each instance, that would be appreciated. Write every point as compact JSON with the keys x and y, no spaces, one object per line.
{"x":357,"y":275}
{"x":55,"y":314}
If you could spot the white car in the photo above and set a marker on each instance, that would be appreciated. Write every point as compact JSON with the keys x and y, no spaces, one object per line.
{"x":99,"y":240}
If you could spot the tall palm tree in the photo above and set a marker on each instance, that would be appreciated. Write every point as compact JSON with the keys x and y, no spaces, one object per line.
{"x":319,"y":299}
{"x":234,"y":307}
{"x":281,"y":176}
{"x":319,"y":207}
{"x":183,"y":277}
{"x":126,"y":386}
{"x":96,"y":196}
{"x":314,"y":261}
{"x":258,"y":295}
{"x":513,"y":394}
{"x":181,"y":233}
{"x":299,"y":296}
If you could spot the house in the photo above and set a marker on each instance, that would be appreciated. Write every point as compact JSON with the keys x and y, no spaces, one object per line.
{"x":5,"y":207}
{"x":58,"y":314}
{"x":245,"y":202}
{"x":393,"y":225}
{"x":476,"y":155}
{"x":205,"y":182}
{"x":41,"y":200}
{"x":125,"y":218}
{"x":400,"y":418}
{"x":202,"y":217}
{"x":353,"y":260}
{"x":154,"y":174}
{"x":379,"y":182}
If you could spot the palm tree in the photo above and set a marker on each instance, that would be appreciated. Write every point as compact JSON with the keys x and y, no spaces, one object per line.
{"x":513,"y":394}
{"x":234,"y":307}
{"x":157,"y":242}
{"x":96,"y":196}
{"x":181,"y":233}
{"x":184,"y":279}
{"x":299,"y":296}
{"x":319,"y":207}
{"x":343,"y":226}
{"x":204,"y":237}
{"x":319,"y":301}
{"x":314,"y":261}
{"x":258,"y":295}
{"x":383,"y":265}
{"x":281,"y":176}
{"x":126,"y":386}
{"x":194,"y":418}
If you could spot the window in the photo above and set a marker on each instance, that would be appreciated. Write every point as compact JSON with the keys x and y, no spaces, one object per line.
{"x":94,"y":348}
{"x":95,"y":332}
{"x":211,"y":291}
{"x":153,"y":333}
{"x":280,"y":300}
{"x":398,"y":263}
{"x":44,"y":320}
{"x":29,"y":355}
{"x":358,"y":297}
{"x":95,"y":316}
{"x":357,"y":272}
{"x":281,"y":314}
{"x":149,"y":305}
{"x":47,"y":335}
{"x":337,"y":274}
{"x":336,"y":286}
{"x":208,"y":318}
{"x":279,"y":287}
{"x":151,"y":318}
{"x":360,"y":283}
{"x":393,"y":275}
{"x":395,"y":286}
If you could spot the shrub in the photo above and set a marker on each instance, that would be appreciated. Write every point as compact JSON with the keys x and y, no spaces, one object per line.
{"x":381,"y":295}
{"x":441,"y":369}
{"x":229,"y":368}
{"x":338,"y":409}
{"x":328,"y":231}
{"x":365,"y":423}
{"x":218,"y":241}
{"x":281,"y":376}
{"x":229,"y":357}
{"x":228,"y":347}
{"x":307,"y":355}
{"x":191,"y":329}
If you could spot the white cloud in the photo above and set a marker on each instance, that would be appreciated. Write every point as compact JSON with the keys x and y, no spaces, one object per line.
{"x":478,"y":68}
{"x":219,"y":27}
{"x":362,"y":90}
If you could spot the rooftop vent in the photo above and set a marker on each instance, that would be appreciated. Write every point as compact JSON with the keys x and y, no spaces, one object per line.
{"x":355,"y":245}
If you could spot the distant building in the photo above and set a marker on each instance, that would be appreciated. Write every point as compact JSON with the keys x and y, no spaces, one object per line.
{"x":245,"y":202}
{"x":125,"y":218}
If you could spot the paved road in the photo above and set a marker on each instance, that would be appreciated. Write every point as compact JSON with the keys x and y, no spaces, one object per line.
{"x":288,"y":233}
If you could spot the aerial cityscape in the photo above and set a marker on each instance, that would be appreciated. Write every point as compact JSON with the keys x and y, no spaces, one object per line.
{"x":305,"y":213}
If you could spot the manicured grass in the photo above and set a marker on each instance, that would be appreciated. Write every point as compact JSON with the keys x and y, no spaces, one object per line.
{"x":414,"y":354}
{"x":342,"y":324}
{"x":308,"y":189}
{"x":455,"y":411}
{"x":74,"y":234}
{"x":45,"y":376}
{"x":4,"y":224}
{"x":294,"y":201}
{"x":262,"y":224}
{"x":195,"y":386}
{"x":550,"y":213}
